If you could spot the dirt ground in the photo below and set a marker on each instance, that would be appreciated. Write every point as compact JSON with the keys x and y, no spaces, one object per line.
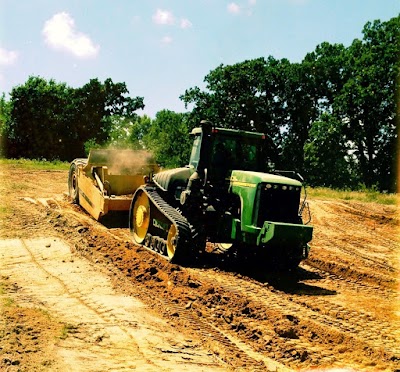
{"x":76,"y":294}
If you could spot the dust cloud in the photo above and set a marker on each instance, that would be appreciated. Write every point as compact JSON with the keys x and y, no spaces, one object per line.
{"x":123,"y":161}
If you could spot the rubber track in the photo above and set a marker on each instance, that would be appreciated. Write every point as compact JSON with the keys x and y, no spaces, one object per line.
{"x":183,"y":228}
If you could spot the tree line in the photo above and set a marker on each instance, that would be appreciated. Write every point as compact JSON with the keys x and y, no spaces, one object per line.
{"x":332,"y":117}
{"x":45,"y":119}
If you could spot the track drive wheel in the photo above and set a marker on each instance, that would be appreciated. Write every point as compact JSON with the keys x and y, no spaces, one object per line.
{"x":171,"y":242}
{"x":140,"y":217}
{"x":73,"y":183}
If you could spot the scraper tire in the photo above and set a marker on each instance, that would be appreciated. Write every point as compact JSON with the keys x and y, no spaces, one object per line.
{"x":73,"y":184}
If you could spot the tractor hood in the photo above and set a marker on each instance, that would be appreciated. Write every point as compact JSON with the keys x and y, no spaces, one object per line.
{"x":252,"y":179}
{"x":169,"y":179}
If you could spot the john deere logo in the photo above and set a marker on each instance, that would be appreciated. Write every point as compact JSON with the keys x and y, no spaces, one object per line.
{"x":161,"y":225}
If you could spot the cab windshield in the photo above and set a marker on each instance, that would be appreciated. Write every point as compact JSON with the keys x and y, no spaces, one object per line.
{"x":239,"y":153}
{"x":195,"y":154}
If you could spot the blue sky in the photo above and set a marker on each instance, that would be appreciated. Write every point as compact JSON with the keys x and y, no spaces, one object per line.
{"x":160,"y":48}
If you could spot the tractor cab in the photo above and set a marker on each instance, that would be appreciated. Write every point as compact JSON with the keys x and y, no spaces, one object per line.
{"x":216,"y":152}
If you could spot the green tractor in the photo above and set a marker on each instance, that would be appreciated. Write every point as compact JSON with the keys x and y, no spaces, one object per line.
{"x":228,"y":196}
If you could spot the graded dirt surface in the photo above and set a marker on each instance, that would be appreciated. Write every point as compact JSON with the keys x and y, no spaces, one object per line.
{"x":76,"y":294}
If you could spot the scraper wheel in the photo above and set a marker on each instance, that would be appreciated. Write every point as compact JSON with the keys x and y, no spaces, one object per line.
{"x":73,"y":184}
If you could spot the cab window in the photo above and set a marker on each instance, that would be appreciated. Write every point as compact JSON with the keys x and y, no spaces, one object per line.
{"x":195,"y":155}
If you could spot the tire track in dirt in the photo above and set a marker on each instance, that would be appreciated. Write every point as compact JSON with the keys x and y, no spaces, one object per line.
{"x":337,"y":282}
{"x":320,"y":317}
{"x":340,"y":226}
{"x":349,"y":242}
{"x":107,"y":316}
{"x":101,"y":327}
{"x":249,"y":358}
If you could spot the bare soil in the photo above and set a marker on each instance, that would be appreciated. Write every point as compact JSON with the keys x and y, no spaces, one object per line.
{"x":76,"y":294}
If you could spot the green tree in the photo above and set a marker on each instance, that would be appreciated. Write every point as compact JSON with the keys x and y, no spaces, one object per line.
{"x":51,"y":120}
{"x":367,"y":101}
{"x":236,"y":96}
{"x":295,"y":102}
{"x":4,"y":120}
{"x":279,"y":98}
{"x":4,"y":112}
{"x":328,"y":156}
{"x":36,"y":109}
{"x":168,"y":139}
{"x":325,"y":68}
{"x":300,"y":110}
{"x":102,"y":111}
{"x":139,"y":130}
{"x":249,"y":95}
{"x":128,"y":132}
{"x":309,"y":91}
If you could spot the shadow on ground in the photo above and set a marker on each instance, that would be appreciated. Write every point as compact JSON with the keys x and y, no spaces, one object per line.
{"x":289,"y":281}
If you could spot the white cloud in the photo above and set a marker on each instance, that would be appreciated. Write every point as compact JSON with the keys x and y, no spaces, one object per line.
{"x":251,"y":6}
{"x":233,"y":8}
{"x":7,"y":57}
{"x":163,"y":17}
{"x":166,"y":40}
{"x":60,"y":33}
{"x":185,"y":23}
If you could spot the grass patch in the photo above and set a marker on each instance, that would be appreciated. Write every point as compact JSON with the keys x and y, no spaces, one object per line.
{"x":44,"y":312}
{"x":4,"y":211}
{"x":67,"y":329}
{"x":367,"y":196}
{"x":20,"y":186}
{"x":29,"y":164}
{"x":7,"y":302}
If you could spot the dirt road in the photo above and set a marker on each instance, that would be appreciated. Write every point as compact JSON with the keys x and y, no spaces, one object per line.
{"x":78,"y":295}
